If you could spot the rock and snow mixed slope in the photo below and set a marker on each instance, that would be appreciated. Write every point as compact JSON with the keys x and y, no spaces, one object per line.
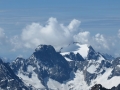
{"x":44,"y":63}
{"x":76,"y":48}
{"x":76,"y":67}
{"x":8,"y":80}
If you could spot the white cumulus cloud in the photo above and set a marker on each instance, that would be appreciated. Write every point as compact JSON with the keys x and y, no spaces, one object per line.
{"x":58,"y":35}
{"x":119,"y":33}
{"x":3,"y":37}
{"x":2,"y":34}
{"x":82,"y":37}
{"x":100,"y":41}
{"x":53,"y":33}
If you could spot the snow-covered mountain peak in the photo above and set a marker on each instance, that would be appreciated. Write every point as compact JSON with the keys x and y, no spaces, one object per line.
{"x":82,"y":50}
{"x":44,"y":48}
{"x":18,"y":58}
{"x":39,"y":47}
{"x":91,"y":48}
{"x":75,"y":47}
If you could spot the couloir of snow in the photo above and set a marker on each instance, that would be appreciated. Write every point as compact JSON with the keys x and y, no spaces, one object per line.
{"x":82,"y":50}
{"x":76,"y":82}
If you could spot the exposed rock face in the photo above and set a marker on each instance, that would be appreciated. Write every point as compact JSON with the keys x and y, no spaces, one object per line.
{"x":98,"y":87}
{"x":8,"y":80}
{"x":92,"y":54}
{"x":116,"y":88}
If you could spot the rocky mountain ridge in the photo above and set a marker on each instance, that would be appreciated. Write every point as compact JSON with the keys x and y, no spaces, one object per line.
{"x":75,"y":67}
{"x":8,"y":80}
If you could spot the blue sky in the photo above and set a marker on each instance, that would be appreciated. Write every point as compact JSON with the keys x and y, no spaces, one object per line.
{"x":95,"y":16}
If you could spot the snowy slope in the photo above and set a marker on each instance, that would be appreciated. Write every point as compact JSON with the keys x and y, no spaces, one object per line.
{"x":81,"y":49}
{"x":76,"y":82}
{"x":33,"y":80}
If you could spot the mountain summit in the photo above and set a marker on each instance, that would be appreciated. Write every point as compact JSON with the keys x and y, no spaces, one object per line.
{"x":43,"y":64}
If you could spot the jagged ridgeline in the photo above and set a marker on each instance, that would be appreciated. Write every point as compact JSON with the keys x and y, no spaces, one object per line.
{"x":75,"y":67}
